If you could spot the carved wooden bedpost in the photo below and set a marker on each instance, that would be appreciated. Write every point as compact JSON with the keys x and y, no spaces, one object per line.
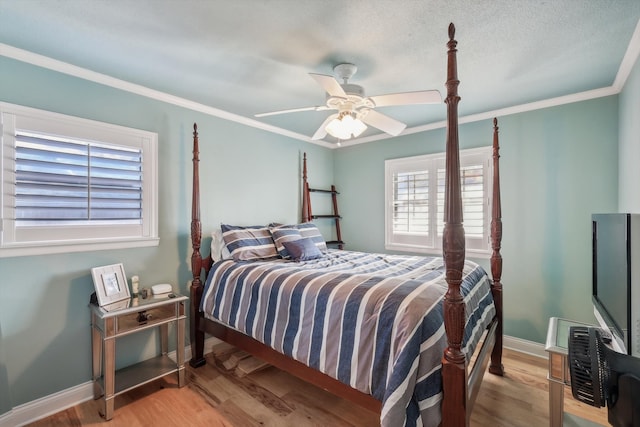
{"x":454,"y":408}
{"x":196,"y":336}
{"x":306,"y":203}
{"x":496,"y":259}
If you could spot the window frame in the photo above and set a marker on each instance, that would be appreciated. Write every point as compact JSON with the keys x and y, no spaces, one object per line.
{"x":23,"y":240}
{"x":431,"y":241}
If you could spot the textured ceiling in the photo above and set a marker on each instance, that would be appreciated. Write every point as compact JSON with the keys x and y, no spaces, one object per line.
{"x":250,"y":56}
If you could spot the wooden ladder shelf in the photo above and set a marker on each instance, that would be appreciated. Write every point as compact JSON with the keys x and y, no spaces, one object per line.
{"x":307,"y":214}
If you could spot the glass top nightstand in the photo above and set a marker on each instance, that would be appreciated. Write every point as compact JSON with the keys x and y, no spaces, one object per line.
{"x":558,"y":334}
{"x":128,"y":317}
{"x":558,"y":376}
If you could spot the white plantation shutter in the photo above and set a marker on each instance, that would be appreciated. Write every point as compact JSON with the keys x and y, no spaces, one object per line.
{"x":415,"y":204}
{"x":60,"y":180}
{"x":411,"y":202}
{"x":473,"y":200}
{"x":71,"y":184}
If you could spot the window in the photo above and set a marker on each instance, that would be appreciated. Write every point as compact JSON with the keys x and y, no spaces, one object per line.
{"x":414,"y":195}
{"x":71,"y":184}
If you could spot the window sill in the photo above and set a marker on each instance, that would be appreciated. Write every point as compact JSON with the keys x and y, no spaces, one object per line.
{"x":69,"y":247}
{"x":469,"y":253}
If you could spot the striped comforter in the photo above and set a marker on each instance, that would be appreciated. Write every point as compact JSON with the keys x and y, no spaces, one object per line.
{"x":372,"y":321}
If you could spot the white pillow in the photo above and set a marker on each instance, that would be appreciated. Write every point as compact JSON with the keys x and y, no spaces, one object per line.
{"x":218,"y":249}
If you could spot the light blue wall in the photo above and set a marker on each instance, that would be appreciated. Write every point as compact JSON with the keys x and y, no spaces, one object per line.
{"x":629,"y":125}
{"x":5,"y":396}
{"x":558,"y":165}
{"x":247,"y":177}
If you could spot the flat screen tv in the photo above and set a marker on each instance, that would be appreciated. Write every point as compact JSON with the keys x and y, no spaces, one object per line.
{"x":616,"y":278}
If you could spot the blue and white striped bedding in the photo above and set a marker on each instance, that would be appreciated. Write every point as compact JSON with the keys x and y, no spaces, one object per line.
{"x":372,"y":321}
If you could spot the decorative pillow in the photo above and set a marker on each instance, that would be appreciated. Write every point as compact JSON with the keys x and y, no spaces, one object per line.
{"x":302,"y":249}
{"x":248,"y":243}
{"x":284,"y":234}
{"x":310,"y":231}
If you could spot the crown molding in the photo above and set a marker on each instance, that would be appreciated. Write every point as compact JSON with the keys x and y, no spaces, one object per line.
{"x":95,"y":77}
{"x":629,"y":60}
{"x":538,"y":105}
{"x":631,"y":56}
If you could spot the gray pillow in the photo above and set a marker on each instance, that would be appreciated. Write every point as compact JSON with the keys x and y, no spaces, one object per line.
{"x":302,"y":249}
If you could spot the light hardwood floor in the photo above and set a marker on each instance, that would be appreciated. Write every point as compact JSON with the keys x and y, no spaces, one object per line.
{"x":269,"y":397}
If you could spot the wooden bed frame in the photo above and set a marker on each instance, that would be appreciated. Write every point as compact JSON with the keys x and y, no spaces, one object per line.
{"x":460,"y":383}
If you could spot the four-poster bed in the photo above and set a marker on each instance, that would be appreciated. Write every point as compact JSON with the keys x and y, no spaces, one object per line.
{"x":464,"y":282}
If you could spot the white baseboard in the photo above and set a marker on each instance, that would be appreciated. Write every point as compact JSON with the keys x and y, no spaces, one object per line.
{"x":56,"y":402}
{"x":5,"y":418}
{"x":524,"y":346}
{"x":48,"y":405}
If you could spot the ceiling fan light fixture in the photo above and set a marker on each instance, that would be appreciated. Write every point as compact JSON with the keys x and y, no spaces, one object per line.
{"x":355,"y":111}
{"x":346,"y":126}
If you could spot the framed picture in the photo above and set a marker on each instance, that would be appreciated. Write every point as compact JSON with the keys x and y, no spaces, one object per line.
{"x":110,"y":283}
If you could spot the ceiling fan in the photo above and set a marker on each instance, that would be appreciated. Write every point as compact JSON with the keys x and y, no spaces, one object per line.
{"x":355,"y":110}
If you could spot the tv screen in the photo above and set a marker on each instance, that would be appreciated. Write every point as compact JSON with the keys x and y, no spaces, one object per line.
{"x":612,"y":274}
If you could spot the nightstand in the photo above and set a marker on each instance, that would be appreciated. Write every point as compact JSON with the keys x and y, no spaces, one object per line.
{"x":557,"y":346}
{"x":128,"y":317}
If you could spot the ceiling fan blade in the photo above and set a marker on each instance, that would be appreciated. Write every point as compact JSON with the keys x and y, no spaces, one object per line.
{"x":329,"y":84}
{"x":383,"y":122}
{"x":322,"y":132}
{"x":293,"y":110}
{"x":407,"y":98}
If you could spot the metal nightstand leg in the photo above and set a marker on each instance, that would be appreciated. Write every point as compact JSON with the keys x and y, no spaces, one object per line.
{"x":180,"y":351}
{"x":558,"y":378}
{"x":109,"y":367}
{"x":556,"y":403}
{"x":96,"y":359}
{"x":109,"y":377}
{"x":164,"y":338}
